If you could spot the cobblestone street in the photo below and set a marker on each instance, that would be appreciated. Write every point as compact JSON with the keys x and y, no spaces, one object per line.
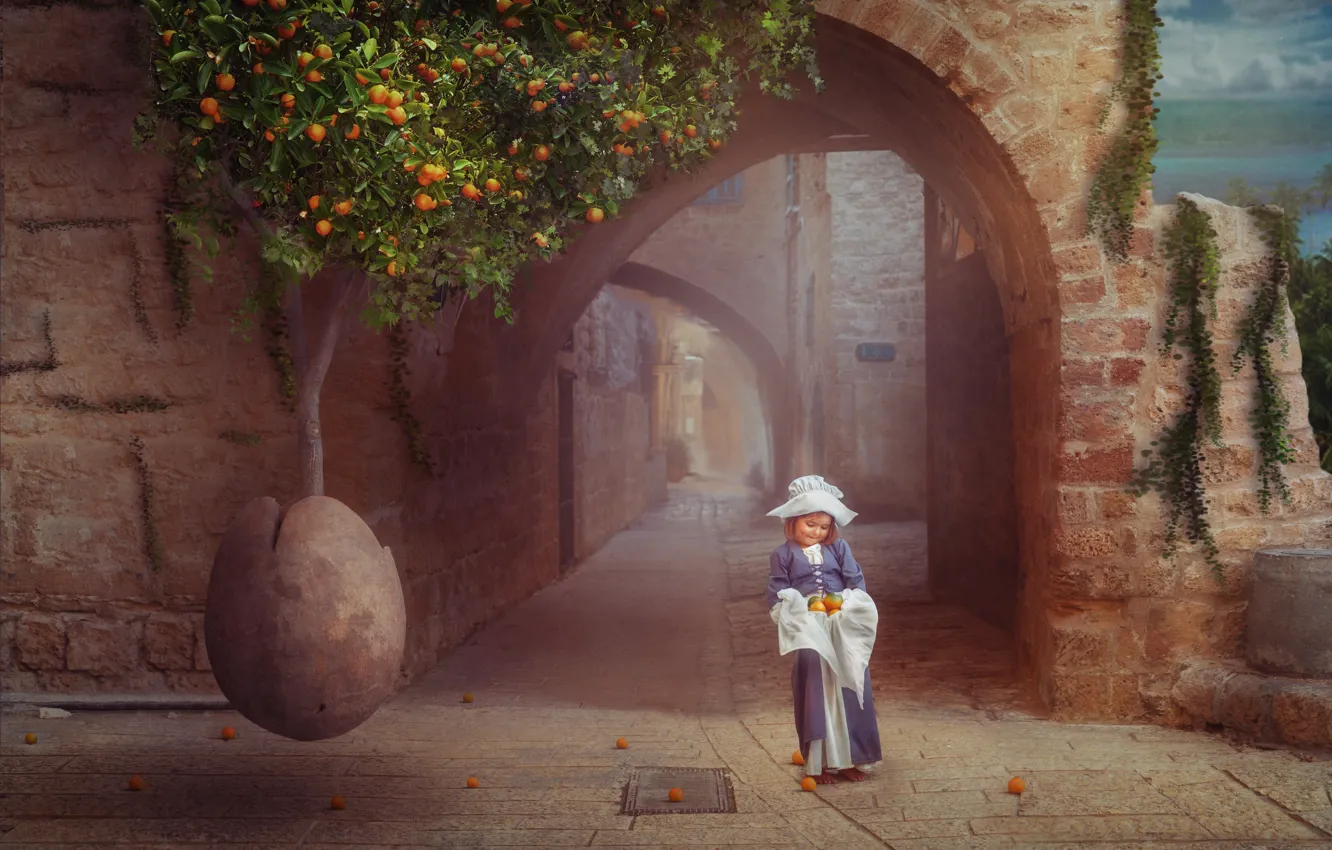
{"x":663,"y":638}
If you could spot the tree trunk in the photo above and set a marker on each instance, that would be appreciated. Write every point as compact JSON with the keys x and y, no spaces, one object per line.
{"x":312,"y":364}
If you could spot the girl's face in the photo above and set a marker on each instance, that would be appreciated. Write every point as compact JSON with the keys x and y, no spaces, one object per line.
{"x":812,"y":529}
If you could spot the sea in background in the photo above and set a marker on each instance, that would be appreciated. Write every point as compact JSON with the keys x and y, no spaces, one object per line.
{"x":1206,"y":144}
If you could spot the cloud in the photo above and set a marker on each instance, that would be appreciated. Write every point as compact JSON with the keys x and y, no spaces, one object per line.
{"x":1268,"y":47}
{"x":1171,"y":5}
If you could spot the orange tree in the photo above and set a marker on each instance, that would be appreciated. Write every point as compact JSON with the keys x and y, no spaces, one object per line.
{"x":407,"y":152}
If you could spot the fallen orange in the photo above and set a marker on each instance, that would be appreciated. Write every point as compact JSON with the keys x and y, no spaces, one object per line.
{"x":467,"y":697}
{"x":136,"y":783}
{"x":622,"y":743}
{"x":31,"y":737}
{"x":473,"y":782}
{"x":339,"y":803}
{"x":676,"y":795}
{"x":808,"y":783}
{"x":797,"y":758}
{"x":228,"y":733}
{"x":1016,"y":785}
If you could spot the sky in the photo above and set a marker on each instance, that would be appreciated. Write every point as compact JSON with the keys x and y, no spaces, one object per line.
{"x":1246,"y":48}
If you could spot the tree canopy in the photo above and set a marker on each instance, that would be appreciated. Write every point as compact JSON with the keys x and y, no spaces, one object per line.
{"x":440,"y":145}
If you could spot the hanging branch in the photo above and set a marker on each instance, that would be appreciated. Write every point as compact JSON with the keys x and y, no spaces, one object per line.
{"x":1262,"y":327}
{"x":1176,"y":469}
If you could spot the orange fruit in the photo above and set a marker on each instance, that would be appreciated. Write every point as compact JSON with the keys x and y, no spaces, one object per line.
{"x":1016,"y":785}
{"x":354,"y":131}
{"x":620,"y":743}
{"x":808,"y":783}
{"x":502,"y":6}
{"x":817,"y":605}
{"x":424,"y":202}
{"x":360,"y":79}
{"x":691,"y":131}
{"x":268,"y":134}
{"x":323,"y":51}
{"x":675,"y":795}
{"x":277,"y":5}
{"x":797,"y":758}
{"x":228,"y":733}
{"x":596,"y":215}
{"x":305,"y":59}
{"x":258,"y":69}
{"x":470,"y":191}
{"x":516,"y":195}
{"x":316,"y":132}
{"x":664,"y":136}
{"x":385,"y":74}
{"x":540,"y":240}
{"x":378,"y":94}
{"x":459,"y":65}
{"x":31,"y":737}
{"x":492,"y":185}
{"x":541,"y":154}
{"x":714,"y":143}
{"x":538,"y":106}
{"x":398,"y":115}
{"x":323,"y":227}
{"x":314,"y":201}
{"x":394,"y":100}
{"x":342,"y":207}
{"x":167,"y":36}
{"x":467,"y":697}
{"x":314,"y":77}
{"x":339,"y":803}
{"x":136,"y":783}
{"x":287,"y":31}
{"x":473,"y":782}
{"x":288,"y":101}
{"x":208,"y":106}
{"x":520,"y":175}
{"x":226,"y":82}
{"x":392,"y":270}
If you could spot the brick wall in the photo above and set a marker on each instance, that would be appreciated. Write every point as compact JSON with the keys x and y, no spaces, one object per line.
{"x":876,"y":427}
{"x":616,"y":475}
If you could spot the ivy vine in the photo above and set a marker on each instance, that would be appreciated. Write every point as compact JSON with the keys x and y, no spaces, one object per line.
{"x":1175,"y":468}
{"x":1262,"y":326}
{"x":401,"y":398}
{"x":128,"y":404}
{"x":1127,"y":165}
{"x":173,"y":246}
{"x":153,"y":548}
{"x":240,"y":438}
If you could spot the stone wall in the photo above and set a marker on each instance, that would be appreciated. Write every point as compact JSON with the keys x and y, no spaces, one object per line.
{"x":616,"y":475}
{"x":876,"y":437}
{"x":1129,"y":618}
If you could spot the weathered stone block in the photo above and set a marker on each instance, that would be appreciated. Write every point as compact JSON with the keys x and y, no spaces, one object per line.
{"x":1097,"y":466}
{"x":1290,"y":628}
{"x":1302,"y":714}
{"x":168,"y":642}
{"x":40,"y":641}
{"x":101,"y":647}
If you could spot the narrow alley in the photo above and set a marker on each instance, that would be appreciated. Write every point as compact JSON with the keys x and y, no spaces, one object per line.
{"x":663,"y":638}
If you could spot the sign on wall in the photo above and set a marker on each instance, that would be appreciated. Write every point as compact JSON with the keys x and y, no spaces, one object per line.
{"x":876,"y":352}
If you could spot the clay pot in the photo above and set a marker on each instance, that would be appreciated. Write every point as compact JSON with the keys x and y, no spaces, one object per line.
{"x":305,"y":622}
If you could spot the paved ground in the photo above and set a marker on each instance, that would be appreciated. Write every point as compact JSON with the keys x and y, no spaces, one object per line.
{"x":663,"y":638}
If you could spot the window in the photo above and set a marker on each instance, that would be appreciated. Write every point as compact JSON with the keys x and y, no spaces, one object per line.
{"x":726,"y":192}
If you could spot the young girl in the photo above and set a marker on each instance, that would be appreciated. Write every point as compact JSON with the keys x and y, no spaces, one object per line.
{"x":839,"y":734}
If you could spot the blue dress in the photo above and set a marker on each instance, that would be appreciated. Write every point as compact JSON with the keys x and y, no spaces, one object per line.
{"x":789,"y":567}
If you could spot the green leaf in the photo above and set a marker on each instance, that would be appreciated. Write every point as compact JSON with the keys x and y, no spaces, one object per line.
{"x":267,"y":38}
{"x":369,"y":48}
{"x":185,"y":54}
{"x":430,"y":42}
{"x":204,"y":75}
{"x":388,"y":60}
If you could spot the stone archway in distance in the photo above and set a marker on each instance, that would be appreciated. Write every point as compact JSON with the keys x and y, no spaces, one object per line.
{"x":935,"y":104}
{"x":739,"y":330}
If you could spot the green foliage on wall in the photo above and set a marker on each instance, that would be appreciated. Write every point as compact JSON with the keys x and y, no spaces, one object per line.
{"x":1127,"y":165}
{"x":1175,"y":465}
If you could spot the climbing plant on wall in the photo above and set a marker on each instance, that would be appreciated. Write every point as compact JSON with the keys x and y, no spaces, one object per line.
{"x":397,"y":151}
{"x":1262,"y":327}
{"x":1126,"y":168}
{"x":1175,"y":465}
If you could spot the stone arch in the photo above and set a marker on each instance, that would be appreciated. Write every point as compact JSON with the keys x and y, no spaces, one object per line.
{"x":734,"y":326}
{"x":923,"y":86}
